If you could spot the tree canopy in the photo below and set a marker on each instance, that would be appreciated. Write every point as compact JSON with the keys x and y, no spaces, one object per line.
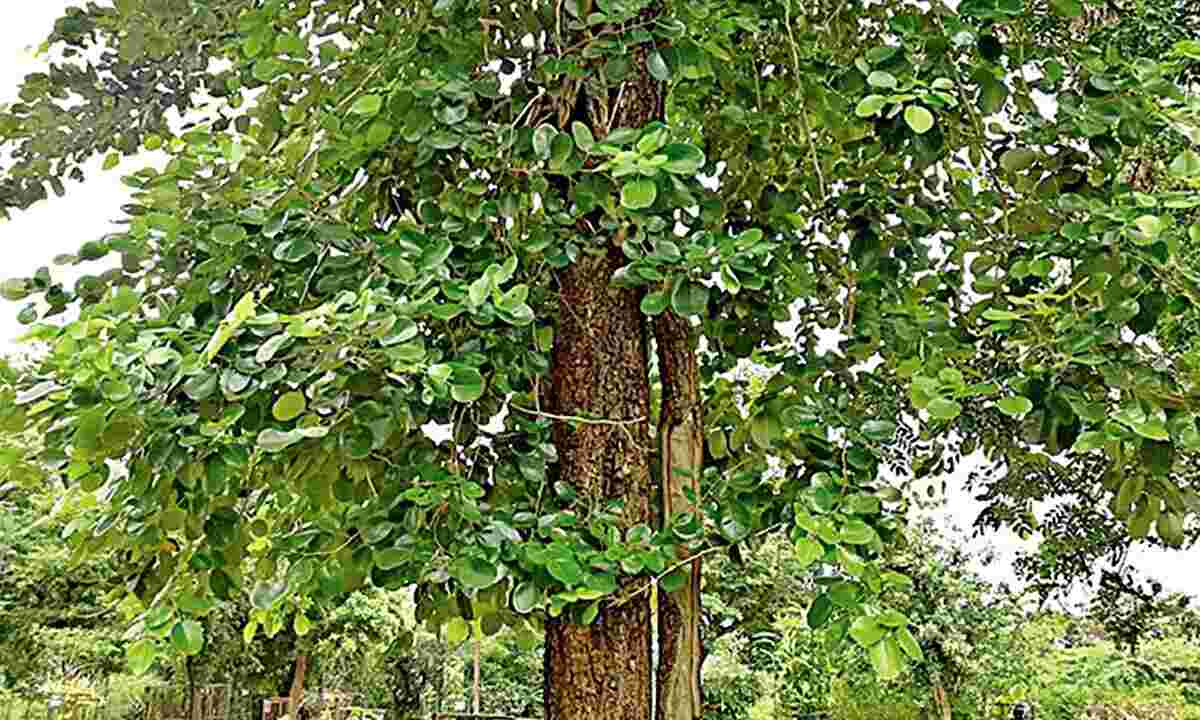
{"x":666,"y":274}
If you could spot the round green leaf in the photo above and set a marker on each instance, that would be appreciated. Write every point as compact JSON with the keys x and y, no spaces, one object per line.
{"x":140,"y":656}
{"x":543,"y":139}
{"x":457,"y":630}
{"x":289,"y":406}
{"x":367,"y":105}
{"x":918,"y":118}
{"x":273,"y":440}
{"x":879,"y":430}
{"x":819,"y":612}
{"x":565,"y":570}
{"x":265,"y":594}
{"x":887,"y":659}
{"x":475,"y":573}
{"x":866,"y":631}
{"x":658,"y":67}
{"x":909,"y":645}
{"x":808,"y":551}
{"x":1186,"y":164}
{"x":390,"y":559}
{"x":683,"y":159}
{"x":689,"y":298}
{"x":943,"y":409}
{"x":1015,"y":406}
{"x":526,"y":597}
{"x":882,"y":79}
{"x":466,"y":384}
{"x":654,"y":303}
{"x":639,"y":194}
{"x":584,"y":140}
{"x":893,"y":619}
{"x":188,"y":637}
{"x":870,"y":106}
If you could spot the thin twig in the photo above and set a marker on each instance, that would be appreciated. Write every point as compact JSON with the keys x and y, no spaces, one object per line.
{"x":577,"y":418}
{"x":812,"y":144}
{"x":311,"y":275}
{"x":687,"y":561}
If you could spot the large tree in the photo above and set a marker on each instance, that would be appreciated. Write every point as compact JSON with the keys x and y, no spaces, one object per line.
{"x":562,"y":230}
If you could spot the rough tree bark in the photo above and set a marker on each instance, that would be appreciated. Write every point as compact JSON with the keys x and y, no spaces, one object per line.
{"x":296,"y":693}
{"x":601,"y":369}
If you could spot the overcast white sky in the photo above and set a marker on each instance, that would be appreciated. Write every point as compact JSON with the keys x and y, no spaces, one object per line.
{"x":61,"y":225}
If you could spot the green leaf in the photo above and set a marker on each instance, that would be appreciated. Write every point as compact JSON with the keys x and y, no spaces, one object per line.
{"x":819,"y":612}
{"x":893,"y":619}
{"x":289,"y":406}
{"x":267,"y":351}
{"x":367,"y":105}
{"x":1001,"y":315}
{"x":1152,"y":429}
{"x":867,"y":632}
{"x":1186,"y":164}
{"x":909,"y":645}
{"x":879,"y":430}
{"x":583,"y":137}
{"x":1016,"y":406}
{"x":475,"y":573}
{"x":683,"y":159}
{"x":765,"y":430}
{"x":266,"y":593}
{"x":237,"y":317}
{"x":943,"y":409}
{"x":689,"y":298}
{"x":561,"y":150}
{"x":870,"y":106}
{"x":1018,"y":159}
{"x":294,"y":250}
{"x":457,"y":630}
{"x":526,"y":597}
{"x":1148,"y":228}
{"x":919,"y":119}
{"x":882,"y":79}
{"x":887,"y":659}
{"x":200,"y":387}
{"x":141,"y":656}
{"x":543,"y":140}
{"x":1067,"y":8}
{"x":654,"y":303}
{"x":639,"y":194}
{"x":675,"y":580}
{"x":658,"y":67}
{"x":389,"y":558}
{"x":466,"y":384}
{"x":808,"y":551}
{"x":188,"y":637}
{"x":273,"y":440}
{"x":565,"y":570}
{"x":1089,"y":441}
{"x":479,"y":289}
{"x":857,"y":532}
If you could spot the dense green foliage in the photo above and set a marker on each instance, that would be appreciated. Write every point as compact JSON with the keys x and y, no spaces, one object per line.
{"x":376,"y":222}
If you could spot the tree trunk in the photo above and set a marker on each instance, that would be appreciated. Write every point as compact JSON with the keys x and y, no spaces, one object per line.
{"x":681,"y":444}
{"x":600,"y":369}
{"x":296,"y":695}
